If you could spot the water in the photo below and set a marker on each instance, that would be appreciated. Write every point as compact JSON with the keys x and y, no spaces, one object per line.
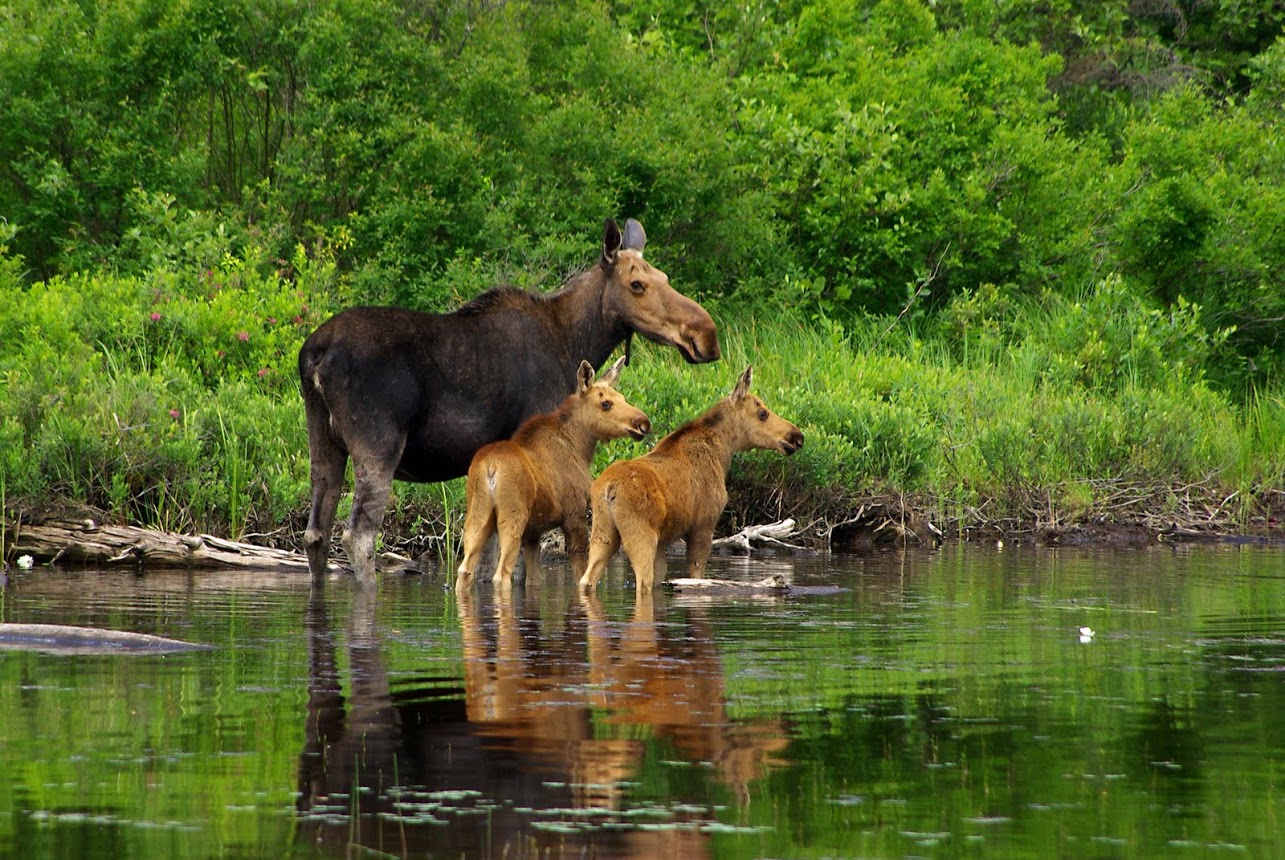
{"x":943,"y":704}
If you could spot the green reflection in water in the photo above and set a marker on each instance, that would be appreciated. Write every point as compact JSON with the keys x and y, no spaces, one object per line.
{"x":941,"y":704}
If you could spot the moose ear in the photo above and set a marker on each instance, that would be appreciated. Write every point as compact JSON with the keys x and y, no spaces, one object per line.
{"x":611,"y":240}
{"x":743,"y":385}
{"x":612,"y":374}
{"x":635,"y":236}
{"x":584,"y":377}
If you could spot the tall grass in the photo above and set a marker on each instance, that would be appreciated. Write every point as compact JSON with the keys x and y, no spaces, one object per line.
{"x":188,"y":417}
{"x":1033,"y":431}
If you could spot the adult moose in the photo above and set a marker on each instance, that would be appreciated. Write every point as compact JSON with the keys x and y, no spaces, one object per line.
{"x":412,"y":395}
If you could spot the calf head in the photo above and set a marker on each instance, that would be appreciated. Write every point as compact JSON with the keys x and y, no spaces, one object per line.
{"x":640,"y":296}
{"x":602,"y":409}
{"x":756,"y":425}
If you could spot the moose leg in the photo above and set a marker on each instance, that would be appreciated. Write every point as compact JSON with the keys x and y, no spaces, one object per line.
{"x":326,"y":466}
{"x":509,"y":526}
{"x":479,"y":525}
{"x":661,"y":566}
{"x":531,"y":558}
{"x":514,"y":496}
{"x":576,"y":532}
{"x":700,"y":541}
{"x":641,"y":544}
{"x":602,"y":546}
{"x":372,"y":482}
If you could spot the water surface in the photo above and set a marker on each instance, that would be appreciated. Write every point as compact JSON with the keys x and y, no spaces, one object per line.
{"x":943,"y":704}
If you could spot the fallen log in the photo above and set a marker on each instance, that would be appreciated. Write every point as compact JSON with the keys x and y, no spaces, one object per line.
{"x":775,"y":582}
{"x":86,"y":542}
{"x":64,"y":639}
{"x":772,"y":533}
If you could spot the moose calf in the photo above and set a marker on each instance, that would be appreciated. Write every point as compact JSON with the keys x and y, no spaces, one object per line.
{"x":679,"y":489}
{"x":524,"y":486}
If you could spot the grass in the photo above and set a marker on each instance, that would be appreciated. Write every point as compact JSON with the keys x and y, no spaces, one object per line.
{"x":1031,"y":414}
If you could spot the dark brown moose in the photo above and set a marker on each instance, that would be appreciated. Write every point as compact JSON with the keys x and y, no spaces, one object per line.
{"x":679,"y":489}
{"x":411,"y":395}
{"x":520,"y":488}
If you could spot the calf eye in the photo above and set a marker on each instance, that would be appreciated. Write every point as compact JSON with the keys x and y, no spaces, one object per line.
{"x":637,"y":286}
{"x":762,"y":414}
{"x":606,"y":406}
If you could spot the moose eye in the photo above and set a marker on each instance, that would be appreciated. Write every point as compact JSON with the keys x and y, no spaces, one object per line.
{"x":606,"y":406}
{"x":762,"y":414}
{"x":637,"y":286}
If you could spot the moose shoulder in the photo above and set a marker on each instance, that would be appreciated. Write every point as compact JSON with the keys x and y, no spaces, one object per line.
{"x":412,"y":395}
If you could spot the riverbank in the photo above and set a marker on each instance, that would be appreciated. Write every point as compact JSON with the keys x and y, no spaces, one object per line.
{"x":80,"y":536}
{"x":188,"y":420}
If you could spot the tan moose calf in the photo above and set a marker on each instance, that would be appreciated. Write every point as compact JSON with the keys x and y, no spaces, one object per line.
{"x":519,"y":488}
{"x":679,"y":489}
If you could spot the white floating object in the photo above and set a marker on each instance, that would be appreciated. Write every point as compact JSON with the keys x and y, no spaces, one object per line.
{"x":26,"y":562}
{"x":1086,"y":634}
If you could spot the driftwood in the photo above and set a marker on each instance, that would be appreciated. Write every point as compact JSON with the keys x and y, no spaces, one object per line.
{"x":84,"y":541}
{"x":772,"y":534}
{"x":62,"y":639}
{"x":775,"y":582}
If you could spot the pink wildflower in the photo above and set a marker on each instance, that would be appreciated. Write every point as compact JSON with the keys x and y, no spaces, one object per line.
{"x":263,"y":371}
{"x":174,"y":413}
{"x":243,"y":336}
{"x":156,"y":317}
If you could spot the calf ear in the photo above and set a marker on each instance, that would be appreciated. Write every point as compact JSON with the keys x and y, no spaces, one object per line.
{"x":610,"y":243}
{"x":635,"y":235}
{"x":743,"y":384}
{"x":584,"y":377}
{"x":612,"y":374}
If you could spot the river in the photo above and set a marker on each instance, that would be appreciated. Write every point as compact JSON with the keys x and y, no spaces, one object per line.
{"x":964,"y":702}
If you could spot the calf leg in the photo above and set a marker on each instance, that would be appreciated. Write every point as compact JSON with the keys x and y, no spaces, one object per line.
{"x":603,"y":544}
{"x":326,"y":468}
{"x":479,"y":525}
{"x":576,"y":532}
{"x":641,"y":544}
{"x":510,"y":523}
{"x":531,"y":558}
{"x":700,"y":540}
{"x":661,"y":566}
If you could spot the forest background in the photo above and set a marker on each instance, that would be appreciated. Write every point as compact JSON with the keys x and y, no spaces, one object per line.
{"x":1008,"y":264}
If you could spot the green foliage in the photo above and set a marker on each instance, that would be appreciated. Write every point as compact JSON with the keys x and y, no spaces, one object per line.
{"x":167,"y":399}
{"x":1061,"y":197}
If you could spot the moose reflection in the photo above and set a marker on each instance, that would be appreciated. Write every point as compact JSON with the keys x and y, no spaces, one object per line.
{"x":540,"y":748}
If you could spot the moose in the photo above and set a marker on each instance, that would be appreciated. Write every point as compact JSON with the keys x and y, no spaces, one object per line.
{"x":521,"y":487}
{"x":679,"y":488}
{"x":413,"y":395}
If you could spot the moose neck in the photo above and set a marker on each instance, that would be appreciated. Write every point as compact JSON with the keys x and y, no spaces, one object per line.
{"x":582,"y":442}
{"x":711,"y":438}
{"x":591,"y":330}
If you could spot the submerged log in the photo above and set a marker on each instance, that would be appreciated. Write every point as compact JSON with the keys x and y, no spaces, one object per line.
{"x":86,"y":542}
{"x":64,"y":639}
